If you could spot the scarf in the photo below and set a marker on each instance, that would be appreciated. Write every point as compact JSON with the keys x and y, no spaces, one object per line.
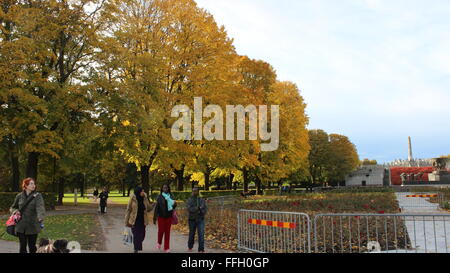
{"x":139,"y":198}
{"x":170,"y":201}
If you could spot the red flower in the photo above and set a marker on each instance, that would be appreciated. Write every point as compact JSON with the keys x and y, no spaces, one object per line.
{"x":365,"y":206}
{"x":295,"y":203}
{"x":381,"y":212}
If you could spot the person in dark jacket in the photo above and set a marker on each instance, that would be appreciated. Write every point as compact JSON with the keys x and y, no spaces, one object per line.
{"x":137,"y":216}
{"x":164,"y":208}
{"x":103,"y":200}
{"x":32,"y":217}
{"x":95,"y":194}
{"x":196,"y":207}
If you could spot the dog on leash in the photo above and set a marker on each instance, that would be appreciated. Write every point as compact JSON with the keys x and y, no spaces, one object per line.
{"x":47,"y":246}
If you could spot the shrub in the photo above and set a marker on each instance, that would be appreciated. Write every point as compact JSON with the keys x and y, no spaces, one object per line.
{"x":7,"y":199}
{"x":184,"y":195}
{"x":361,"y":189}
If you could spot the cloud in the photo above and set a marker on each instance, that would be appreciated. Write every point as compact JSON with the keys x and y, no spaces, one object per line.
{"x":375,"y":70}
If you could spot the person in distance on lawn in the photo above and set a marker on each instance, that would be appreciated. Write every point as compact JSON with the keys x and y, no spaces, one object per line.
{"x":196,"y":207}
{"x":95,"y":194}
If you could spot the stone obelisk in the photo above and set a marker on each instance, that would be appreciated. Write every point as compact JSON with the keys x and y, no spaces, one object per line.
{"x":410,"y":157}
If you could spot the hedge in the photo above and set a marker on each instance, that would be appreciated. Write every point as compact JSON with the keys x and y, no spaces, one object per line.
{"x":7,"y":199}
{"x":361,"y":189}
{"x":184,"y":195}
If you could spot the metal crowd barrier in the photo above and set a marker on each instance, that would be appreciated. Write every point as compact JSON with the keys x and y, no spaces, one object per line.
{"x":290,"y":232}
{"x":388,"y":233}
{"x":273,"y":232}
{"x":431,"y":200}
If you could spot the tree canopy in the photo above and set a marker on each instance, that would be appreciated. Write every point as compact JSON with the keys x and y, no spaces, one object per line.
{"x":87,"y":89}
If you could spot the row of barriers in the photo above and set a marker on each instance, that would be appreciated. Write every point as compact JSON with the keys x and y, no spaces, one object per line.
{"x":288,"y":232}
{"x":431,"y":200}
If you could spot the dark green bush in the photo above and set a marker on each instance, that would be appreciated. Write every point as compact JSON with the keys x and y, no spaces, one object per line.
{"x":361,"y":189}
{"x":7,"y":199}
{"x":184,"y":195}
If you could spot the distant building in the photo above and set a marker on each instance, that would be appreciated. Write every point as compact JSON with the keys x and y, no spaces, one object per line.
{"x":368,"y":175}
{"x":410,"y":163}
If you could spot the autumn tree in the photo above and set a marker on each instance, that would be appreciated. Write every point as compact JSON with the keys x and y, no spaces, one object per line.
{"x":291,"y":155}
{"x":159,"y":54}
{"x":367,"y":161}
{"x":331,"y":157}
{"x":344,"y":158}
{"x":52,"y":42}
{"x":319,"y":155}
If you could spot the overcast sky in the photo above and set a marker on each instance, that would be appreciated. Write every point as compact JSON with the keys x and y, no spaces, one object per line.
{"x":377,"y":71}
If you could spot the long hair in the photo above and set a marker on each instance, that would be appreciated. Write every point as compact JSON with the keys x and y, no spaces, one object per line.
{"x":168,"y":189}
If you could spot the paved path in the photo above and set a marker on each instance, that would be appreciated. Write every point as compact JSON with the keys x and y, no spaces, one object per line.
{"x":427,"y":234}
{"x":113,"y":224}
{"x":417,"y":204}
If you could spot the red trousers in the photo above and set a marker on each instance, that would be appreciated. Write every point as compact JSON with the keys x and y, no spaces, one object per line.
{"x":164,"y":225}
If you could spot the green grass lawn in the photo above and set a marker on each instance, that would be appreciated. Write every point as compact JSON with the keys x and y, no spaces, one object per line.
{"x":83,"y":228}
{"x":114,"y":198}
{"x":79,"y":200}
{"x":119,"y":200}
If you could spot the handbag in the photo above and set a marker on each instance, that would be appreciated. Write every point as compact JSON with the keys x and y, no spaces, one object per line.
{"x":127,"y":238}
{"x":15,"y":218}
{"x":174,"y":218}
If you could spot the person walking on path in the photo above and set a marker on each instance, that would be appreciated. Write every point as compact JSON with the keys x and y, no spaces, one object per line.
{"x":196,"y":207}
{"x":103,"y":200}
{"x":30,"y":205}
{"x":95,"y":194}
{"x":164,"y":208}
{"x":137,"y":216}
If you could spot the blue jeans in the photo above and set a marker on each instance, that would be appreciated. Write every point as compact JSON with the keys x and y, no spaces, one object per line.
{"x":199,"y":226}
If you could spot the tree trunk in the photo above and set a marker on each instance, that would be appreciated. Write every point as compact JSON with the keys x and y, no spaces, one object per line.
{"x":123,"y":188}
{"x":180,"y":178}
{"x":32,"y":165}
{"x":245,"y":174}
{"x":82,"y":188}
{"x":54,"y":183}
{"x":230,"y":181}
{"x":219,"y":184}
{"x":60,"y":191}
{"x":258,"y":185}
{"x":207,"y":176}
{"x":15,"y":169}
{"x":145,"y":178}
{"x":80,"y":183}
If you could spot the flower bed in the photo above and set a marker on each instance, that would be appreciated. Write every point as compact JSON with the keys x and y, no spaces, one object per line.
{"x":221,"y":223}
